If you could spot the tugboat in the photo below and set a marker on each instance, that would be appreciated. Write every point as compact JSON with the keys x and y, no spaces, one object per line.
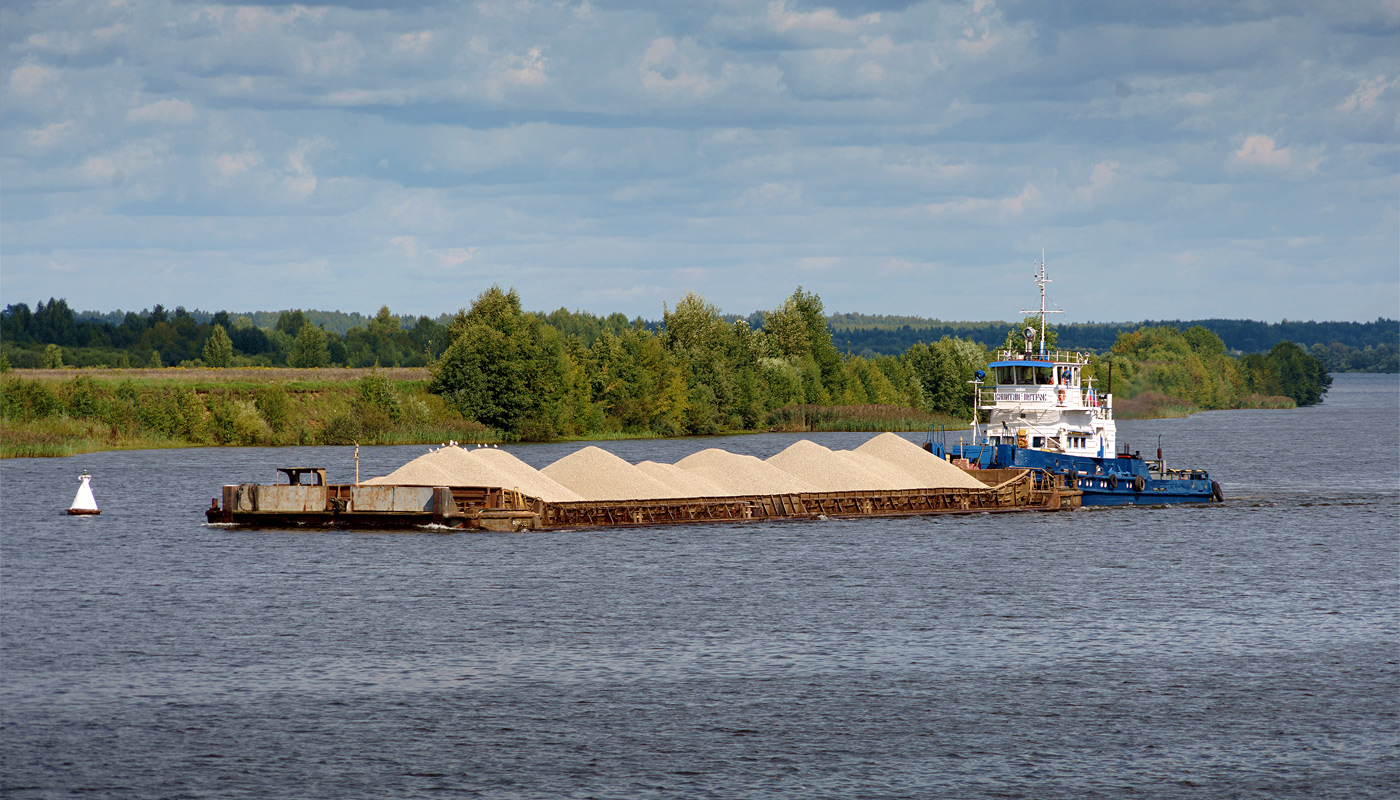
{"x":1044,"y":413}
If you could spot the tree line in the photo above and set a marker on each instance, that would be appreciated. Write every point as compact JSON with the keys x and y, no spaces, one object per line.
{"x":159,"y":337}
{"x":702,"y":373}
{"x":499,"y":371}
{"x":1342,"y":346}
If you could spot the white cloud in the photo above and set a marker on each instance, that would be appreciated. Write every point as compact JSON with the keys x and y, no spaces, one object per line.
{"x":455,"y":256}
{"x":51,"y":135}
{"x":298,"y":175}
{"x":32,"y":79}
{"x":1260,"y":151}
{"x":1007,"y":206}
{"x":528,"y":69}
{"x":369,"y":97}
{"x":164,"y":112}
{"x":416,"y":43}
{"x":1368,"y":92}
{"x":1104,"y":175}
{"x":230,"y":165}
{"x":717,"y":145}
{"x":1016,"y":205}
{"x":771,"y":195}
{"x":666,"y":70}
{"x":827,"y":20}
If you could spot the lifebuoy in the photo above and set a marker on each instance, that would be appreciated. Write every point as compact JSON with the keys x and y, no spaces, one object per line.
{"x":1113,"y":481}
{"x":1139,"y":484}
{"x":1062,"y":395}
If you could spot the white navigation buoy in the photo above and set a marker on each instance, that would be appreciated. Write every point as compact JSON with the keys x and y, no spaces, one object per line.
{"x":84,"y":502}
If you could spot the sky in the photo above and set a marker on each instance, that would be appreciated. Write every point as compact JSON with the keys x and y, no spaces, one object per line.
{"x":1178,"y":159}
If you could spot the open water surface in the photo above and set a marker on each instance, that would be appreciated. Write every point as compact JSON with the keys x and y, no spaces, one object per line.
{"x":1248,"y":650}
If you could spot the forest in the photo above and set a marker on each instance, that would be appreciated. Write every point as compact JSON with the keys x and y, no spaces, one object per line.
{"x":160,"y":337}
{"x":497,"y":372}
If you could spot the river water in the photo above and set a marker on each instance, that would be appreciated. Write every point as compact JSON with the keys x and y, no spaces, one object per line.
{"x":1249,"y":650}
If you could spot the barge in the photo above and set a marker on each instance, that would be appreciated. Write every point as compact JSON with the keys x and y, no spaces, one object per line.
{"x":308,"y":501}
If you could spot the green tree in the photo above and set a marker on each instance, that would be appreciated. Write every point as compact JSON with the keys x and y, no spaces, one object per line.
{"x":218,"y":348}
{"x":310,"y":349}
{"x":943,"y":370}
{"x":503,"y":368}
{"x":798,"y":329}
{"x":291,"y":322}
{"x":1016,"y":342}
{"x":53,"y":357}
{"x":376,"y":393}
{"x":1297,"y":374}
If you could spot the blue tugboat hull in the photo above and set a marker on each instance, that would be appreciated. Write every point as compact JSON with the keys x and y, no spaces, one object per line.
{"x":1110,"y":481}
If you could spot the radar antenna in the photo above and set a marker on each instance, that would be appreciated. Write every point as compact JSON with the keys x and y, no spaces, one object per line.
{"x":1041,"y":280}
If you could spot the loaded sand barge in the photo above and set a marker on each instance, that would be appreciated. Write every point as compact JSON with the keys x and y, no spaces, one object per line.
{"x":490,"y":490}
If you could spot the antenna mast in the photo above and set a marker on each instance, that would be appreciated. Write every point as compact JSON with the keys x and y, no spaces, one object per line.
{"x":1041,"y":280}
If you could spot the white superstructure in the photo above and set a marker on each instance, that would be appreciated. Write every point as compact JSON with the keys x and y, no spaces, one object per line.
{"x":1042,"y":400}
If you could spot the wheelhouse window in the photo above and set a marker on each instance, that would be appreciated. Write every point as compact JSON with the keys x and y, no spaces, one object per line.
{"x":1021,"y":375}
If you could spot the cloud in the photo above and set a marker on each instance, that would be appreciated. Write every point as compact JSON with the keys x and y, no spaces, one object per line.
{"x":528,"y":69}
{"x":455,"y":256}
{"x":416,"y":43}
{"x":1007,"y":206}
{"x":1261,"y":152}
{"x":298,"y":176}
{"x":31,"y":78}
{"x":710,"y":145}
{"x":51,"y":135}
{"x":1101,"y":177}
{"x":230,"y":165}
{"x":669,"y":71}
{"x":771,"y":195}
{"x":164,"y":112}
{"x":1367,"y":93}
{"x":826,"y":20}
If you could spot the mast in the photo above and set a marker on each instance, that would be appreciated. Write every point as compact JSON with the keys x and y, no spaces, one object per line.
{"x":1040,"y":281}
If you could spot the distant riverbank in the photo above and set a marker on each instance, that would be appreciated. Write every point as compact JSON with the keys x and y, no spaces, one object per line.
{"x":64,"y":412}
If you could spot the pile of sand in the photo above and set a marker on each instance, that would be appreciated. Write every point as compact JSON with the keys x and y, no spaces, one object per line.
{"x":683,"y":483}
{"x":743,"y":475}
{"x":931,"y":471}
{"x":840,"y":471}
{"x":596,"y":474}
{"x":887,"y":462}
{"x":447,"y":466}
{"x":522,"y":476}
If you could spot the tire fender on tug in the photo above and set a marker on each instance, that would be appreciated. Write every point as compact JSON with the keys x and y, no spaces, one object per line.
{"x":1139,"y":484}
{"x":1215,"y":493}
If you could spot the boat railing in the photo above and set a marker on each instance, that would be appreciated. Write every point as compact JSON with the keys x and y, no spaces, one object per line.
{"x":1058,"y":356}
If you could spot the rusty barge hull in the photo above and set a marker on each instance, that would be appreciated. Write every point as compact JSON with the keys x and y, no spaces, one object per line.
{"x":453,"y":508}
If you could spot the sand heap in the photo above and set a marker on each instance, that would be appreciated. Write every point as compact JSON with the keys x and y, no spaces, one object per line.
{"x":887,"y":462}
{"x":743,"y":475}
{"x":596,"y":474}
{"x":683,"y":483}
{"x":840,"y":470}
{"x":447,"y":466}
{"x":930,"y":470}
{"x":522,"y":476}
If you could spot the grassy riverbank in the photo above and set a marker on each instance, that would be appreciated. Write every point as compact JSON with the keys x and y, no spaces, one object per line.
{"x":63,"y":412}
